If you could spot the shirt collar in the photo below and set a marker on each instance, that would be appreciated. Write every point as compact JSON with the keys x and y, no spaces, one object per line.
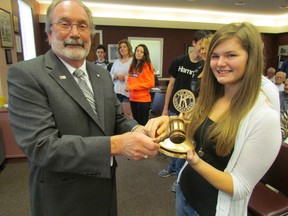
{"x":72,"y":69}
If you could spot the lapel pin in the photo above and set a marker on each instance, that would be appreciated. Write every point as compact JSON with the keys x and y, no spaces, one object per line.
{"x":62,"y":77}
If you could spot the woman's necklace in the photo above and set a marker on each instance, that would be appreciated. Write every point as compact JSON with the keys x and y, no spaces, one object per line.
{"x":201,"y":152}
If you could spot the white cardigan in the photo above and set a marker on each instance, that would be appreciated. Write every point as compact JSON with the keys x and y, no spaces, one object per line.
{"x":257,"y":144}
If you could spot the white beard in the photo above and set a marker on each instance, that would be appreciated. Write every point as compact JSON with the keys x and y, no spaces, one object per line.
{"x":73,"y":53}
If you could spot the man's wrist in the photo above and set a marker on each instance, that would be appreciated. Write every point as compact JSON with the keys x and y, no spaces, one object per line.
{"x":135,"y":128}
{"x":116,"y":144}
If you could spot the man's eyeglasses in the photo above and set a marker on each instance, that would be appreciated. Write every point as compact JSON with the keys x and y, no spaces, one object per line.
{"x":65,"y":26}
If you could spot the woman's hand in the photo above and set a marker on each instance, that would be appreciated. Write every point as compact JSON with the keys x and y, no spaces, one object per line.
{"x":155,"y":127}
{"x":121,"y":77}
{"x":192,"y":158}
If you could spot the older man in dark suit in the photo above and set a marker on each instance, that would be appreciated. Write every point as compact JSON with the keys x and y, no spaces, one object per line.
{"x":71,"y":143}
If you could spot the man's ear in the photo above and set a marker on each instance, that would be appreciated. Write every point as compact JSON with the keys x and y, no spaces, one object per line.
{"x":49,"y":37}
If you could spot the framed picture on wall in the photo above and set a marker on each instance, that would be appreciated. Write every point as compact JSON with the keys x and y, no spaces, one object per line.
{"x":112,"y":52}
{"x":18,"y":43}
{"x":155,"y":47}
{"x":16,"y":24}
{"x":5,"y":29}
{"x":8,"y":56}
{"x":283,"y":50}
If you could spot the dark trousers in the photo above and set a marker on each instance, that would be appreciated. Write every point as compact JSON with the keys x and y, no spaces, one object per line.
{"x":140,"y":111}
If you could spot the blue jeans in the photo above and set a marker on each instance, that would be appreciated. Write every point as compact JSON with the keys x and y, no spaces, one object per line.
{"x":183,"y":208}
{"x":175,"y":164}
{"x":122,"y":98}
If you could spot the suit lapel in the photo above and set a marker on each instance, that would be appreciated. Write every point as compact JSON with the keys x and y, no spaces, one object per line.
{"x":95,"y":80}
{"x":65,"y":79}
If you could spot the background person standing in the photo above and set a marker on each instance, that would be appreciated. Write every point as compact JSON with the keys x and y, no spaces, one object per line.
{"x":184,"y":72}
{"x":101,"y":60}
{"x":119,"y":73}
{"x":140,"y":81}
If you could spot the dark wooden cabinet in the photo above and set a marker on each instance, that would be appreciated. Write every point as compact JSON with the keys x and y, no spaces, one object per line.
{"x":11,"y":149}
{"x":2,"y":154}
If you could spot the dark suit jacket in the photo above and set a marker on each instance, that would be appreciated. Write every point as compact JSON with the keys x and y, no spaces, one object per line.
{"x":67,"y":146}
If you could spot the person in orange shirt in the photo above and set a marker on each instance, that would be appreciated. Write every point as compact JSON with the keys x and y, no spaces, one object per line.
{"x":140,"y":80}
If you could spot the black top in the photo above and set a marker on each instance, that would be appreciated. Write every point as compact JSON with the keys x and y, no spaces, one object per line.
{"x":105,"y":64}
{"x":201,"y":195}
{"x":185,"y":73}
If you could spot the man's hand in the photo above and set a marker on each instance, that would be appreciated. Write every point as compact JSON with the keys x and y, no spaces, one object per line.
{"x":134,"y":146}
{"x":140,"y":129}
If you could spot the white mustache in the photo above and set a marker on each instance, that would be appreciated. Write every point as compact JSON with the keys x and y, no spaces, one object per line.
{"x":73,"y":42}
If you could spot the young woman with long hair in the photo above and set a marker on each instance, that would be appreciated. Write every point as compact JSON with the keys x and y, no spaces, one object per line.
{"x":119,"y":73}
{"x":235,"y":125}
{"x":140,"y":81}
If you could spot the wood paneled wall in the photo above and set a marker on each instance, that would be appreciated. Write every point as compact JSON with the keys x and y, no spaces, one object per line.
{"x":175,"y":41}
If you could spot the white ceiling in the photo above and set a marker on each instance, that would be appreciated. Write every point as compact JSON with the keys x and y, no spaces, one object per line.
{"x":188,"y":14}
{"x":264,"y":7}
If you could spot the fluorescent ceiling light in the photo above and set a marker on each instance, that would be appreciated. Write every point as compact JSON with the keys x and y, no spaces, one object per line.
{"x":120,"y":11}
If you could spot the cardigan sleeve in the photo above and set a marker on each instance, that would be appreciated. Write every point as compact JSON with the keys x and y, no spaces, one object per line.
{"x":257,"y":144}
{"x":261,"y":143}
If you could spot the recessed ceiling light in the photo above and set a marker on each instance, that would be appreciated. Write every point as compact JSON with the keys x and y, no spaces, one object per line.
{"x":240,"y":3}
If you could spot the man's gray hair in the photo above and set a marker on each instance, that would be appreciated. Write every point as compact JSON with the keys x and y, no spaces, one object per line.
{"x":55,"y":3}
{"x":271,"y":69}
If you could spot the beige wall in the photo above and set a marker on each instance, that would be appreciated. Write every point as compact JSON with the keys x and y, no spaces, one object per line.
{"x":12,"y":7}
{"x":6,"y":5}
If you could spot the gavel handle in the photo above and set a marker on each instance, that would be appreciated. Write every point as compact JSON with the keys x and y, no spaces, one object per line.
{"x":162,"y":137}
